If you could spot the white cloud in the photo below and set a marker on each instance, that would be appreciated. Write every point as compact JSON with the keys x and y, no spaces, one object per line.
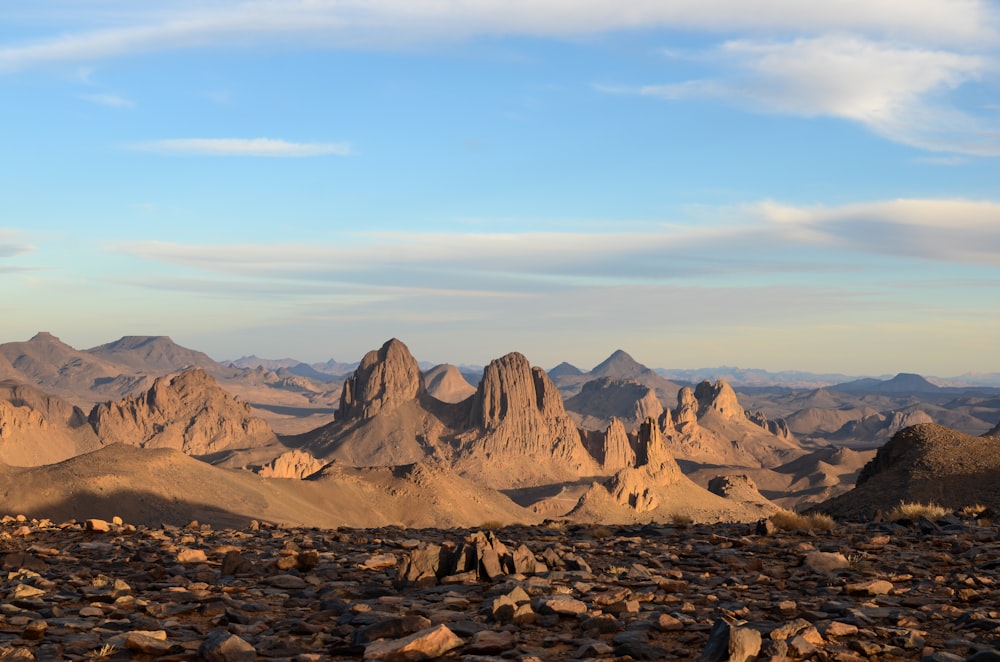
{"x":118,"y":31}
{"x":110,"y":100}
{"x":763,"y":242}
{"x":265,"y":147}
{"x":956,"y":231}
{"x":899,"y":92}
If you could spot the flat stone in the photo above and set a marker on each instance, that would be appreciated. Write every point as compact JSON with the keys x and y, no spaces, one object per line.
{"x":424,"y":645}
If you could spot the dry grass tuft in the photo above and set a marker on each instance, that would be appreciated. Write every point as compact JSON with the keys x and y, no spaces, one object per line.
{"x":974,"y":510}
{"x":491,"y":525}
{"x":601,"y":532}
{"x":786,"y":520}
{"x":914,"y":511}
{"x":680,"y":519}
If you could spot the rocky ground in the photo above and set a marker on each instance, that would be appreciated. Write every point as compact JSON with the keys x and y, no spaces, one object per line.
{"x":879,"y":591}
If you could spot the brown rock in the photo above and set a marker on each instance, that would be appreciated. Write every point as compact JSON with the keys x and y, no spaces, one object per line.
{"x":424,"y":645}
{"x":385,"y":379}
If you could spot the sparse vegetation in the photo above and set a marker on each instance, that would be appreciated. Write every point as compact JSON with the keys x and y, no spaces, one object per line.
{"x":913,"y":511}
{"x":681,"y":519}
{"x":102,"y":653}
{"x":972,"y":511}
{"x":601,"y":532}
{"x":787,"y":520}
{"x":858,"y":560}
{"x":491,"y":525}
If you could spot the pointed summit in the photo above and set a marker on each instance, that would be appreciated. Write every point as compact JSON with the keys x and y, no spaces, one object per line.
{"x":619,"y":365}
{"x":385,"y":379}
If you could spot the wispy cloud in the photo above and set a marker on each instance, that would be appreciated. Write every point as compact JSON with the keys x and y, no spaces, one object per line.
{"x":262,"y":147}
{"x":109,"y":100}
{"x":389,"y":23}
{"x":761,"y":242}
{"x":899,"y":92}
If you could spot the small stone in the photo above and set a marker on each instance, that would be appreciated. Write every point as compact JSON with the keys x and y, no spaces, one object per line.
{"x":223,"y":646}
{"x":826,"y":561}
{"x":667,"y":623}
{"x":97,"y":525}
{"x":490,"y":642}
{"x":729,"y":643}
{"x":424,"y":645}
{"x":871,"y":588}
{"x":560,"y":604}
{"x":192,"y":556}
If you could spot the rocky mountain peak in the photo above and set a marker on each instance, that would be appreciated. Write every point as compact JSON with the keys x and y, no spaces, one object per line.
{"x":385,"y":379}
{"x":189,"y":412}
{"x":511,"y":387}
{"x":519,"y":429}
{"x":620,"y":364}
{"x":616,"y":451}
{"x":718,"y":397}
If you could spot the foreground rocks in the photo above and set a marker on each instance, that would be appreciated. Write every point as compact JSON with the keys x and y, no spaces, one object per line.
{"x":100,"y":590}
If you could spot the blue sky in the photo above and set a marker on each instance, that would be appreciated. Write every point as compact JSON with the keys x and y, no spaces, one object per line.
{"x":770,"y":183}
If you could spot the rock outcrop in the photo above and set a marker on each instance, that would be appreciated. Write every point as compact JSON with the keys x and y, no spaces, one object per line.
{"x":925,"y":463}
{"x":602,"y":399}
{"x":616,"y":450}
{"x":710,"y":426}
{"x":385,"y":379}
{"x":189,"y":412}
{"x":291,"y":464}
{"x":880,"y":427}
{"x":519,"y":432}
{"x":37,"y":428}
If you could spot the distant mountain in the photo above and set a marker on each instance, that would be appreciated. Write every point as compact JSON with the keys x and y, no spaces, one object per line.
{"x":744,"y":377}
{"x":564,"y":369}
{"x":620,"y":365}
{"x":902,"y":383}
{"x":253,"y":361}
{"x":447,"y":384}
{"x":319,"y":371}
{"x":154,"y":355}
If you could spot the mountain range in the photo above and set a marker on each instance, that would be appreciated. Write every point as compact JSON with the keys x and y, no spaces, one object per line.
{"x":616,"y":444}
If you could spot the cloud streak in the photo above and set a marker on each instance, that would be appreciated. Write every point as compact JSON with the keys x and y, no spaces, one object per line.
{"x":258,"y":147}
{"x":109,"y":100}
{"x":390,"y":23}
{"x":766,"y":241}
{"x":899,"y":92}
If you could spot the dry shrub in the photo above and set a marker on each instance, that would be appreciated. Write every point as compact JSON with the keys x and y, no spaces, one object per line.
{"x":914,"y":511}
{"x":680,"y":519}
{"x":786,"y":520}
{"x":974,"y":510}
{"x":491,"y":525}
{"x":600,"y":532}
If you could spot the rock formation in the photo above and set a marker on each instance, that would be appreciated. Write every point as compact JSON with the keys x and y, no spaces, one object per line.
{"x":710,"y":426}
{"x":291,"y":464}
{"x":385,"y":379}
{"x":925,"y":463}
{"x":879,"y":427}
{"x":602,"y":399}
{"x":188,"y":412}
{"x":519,"y":431}
{"x":616,"y":450}
{"x":37,"y":428}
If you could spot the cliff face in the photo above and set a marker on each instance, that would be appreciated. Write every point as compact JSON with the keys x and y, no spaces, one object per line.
{"x":519,"y":431}
{"x":188,"y":412}
{"x":385,"y":379}
{"x":37,"y":428}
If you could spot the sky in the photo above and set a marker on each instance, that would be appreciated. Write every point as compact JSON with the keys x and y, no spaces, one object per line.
{"x":758,"y":183}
